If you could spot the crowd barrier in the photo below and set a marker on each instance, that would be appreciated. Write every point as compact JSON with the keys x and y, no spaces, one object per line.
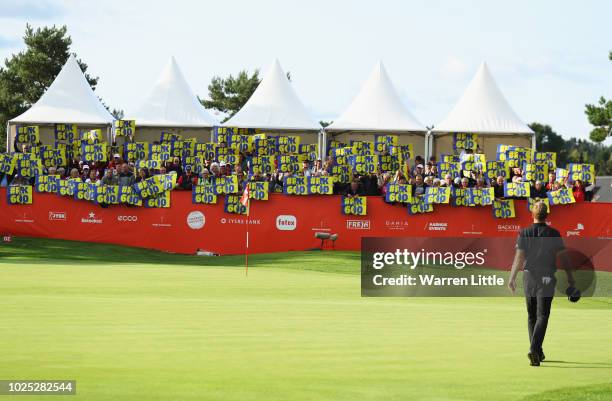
{"x":283,"y":223}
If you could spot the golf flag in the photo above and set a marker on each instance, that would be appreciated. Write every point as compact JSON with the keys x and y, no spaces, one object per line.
{"x":244,"y":199}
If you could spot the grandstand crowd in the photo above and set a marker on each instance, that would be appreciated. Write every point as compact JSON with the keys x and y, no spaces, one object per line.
{"x":417,"y":172}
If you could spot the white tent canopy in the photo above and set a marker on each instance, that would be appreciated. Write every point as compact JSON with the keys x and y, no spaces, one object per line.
{"x":483,"y":109}
{"x":69,"y":99}
{"x":171,"y":103}
{"x":274,"y":105}
{"x":377,"y":107}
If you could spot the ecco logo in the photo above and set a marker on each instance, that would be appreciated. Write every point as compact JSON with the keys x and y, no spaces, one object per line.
{"x":286,"y":222}
{"x":127,"y":218}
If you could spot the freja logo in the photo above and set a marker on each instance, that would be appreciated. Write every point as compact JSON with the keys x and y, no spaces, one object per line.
{"x":358,"y":224}
{"x":286,"y":222}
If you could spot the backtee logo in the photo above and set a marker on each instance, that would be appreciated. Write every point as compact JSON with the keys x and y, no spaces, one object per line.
{"x":286,"y":222}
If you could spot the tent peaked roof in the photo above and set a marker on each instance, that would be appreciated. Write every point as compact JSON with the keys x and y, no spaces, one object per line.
{"x":483,"y":108}
{"x":69,"y":99}
{"x":274,"y":105}
{"x":171,"y":103}
{"x":377,"y":107}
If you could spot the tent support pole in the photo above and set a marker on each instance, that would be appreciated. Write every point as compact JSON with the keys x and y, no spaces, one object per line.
{"x":533,"y":142}
{"x":323,"y":146}
{"x":9,"y":145}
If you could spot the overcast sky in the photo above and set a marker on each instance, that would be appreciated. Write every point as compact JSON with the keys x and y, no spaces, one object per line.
{"x":548,"y":57}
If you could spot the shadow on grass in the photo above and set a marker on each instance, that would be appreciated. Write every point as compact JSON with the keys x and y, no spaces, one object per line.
{"x":63,"y":252}
{"x":593,"y":392}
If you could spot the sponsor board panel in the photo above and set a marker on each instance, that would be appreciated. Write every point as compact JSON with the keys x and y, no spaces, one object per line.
{"x":281,"y":224}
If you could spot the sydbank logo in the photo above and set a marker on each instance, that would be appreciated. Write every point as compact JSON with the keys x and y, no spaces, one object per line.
{"x":286,"y":222}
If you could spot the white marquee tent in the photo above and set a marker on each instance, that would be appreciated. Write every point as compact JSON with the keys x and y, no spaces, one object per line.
{"x":274,"y":106}
{"x":69,"y":99}
{"x":483,"y":110}
{"x":171,"y":105}
{"x":377,"y":108}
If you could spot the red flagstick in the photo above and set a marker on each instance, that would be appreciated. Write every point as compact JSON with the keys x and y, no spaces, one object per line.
{"x":246,"y":202}
{"x":246,"y":253}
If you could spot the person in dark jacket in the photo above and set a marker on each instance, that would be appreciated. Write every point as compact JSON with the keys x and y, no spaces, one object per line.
{"x":538,"y":190}
{"x":187,"y":180}
{"x":355,"y":189}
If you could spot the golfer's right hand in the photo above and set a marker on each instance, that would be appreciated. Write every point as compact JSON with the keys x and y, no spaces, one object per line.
{"x":512,"y":285}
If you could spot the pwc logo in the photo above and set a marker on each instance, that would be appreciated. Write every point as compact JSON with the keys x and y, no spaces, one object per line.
{"x":286,"y":222}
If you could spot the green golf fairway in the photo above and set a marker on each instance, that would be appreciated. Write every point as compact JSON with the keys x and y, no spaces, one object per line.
{"x":131,"y":324}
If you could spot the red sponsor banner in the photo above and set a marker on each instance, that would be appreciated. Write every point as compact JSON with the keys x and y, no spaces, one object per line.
{"x":283,"y":223}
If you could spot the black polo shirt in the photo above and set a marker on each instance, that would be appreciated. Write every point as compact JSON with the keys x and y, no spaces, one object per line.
{"x":541,"y":244}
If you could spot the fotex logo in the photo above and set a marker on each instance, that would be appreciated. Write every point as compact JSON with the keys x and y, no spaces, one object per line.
{"x":286,"y":222}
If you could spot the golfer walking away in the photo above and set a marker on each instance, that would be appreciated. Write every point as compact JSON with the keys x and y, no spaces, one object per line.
{"x":537,"y":248}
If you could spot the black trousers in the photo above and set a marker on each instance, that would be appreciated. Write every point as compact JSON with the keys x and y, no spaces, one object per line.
{"x":539,"y":292}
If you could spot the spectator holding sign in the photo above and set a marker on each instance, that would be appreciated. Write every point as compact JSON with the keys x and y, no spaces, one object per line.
{"x":370,"y":184}
{"x":418,"y":188}
{"x":85,"y":174}
{"x":448,"y":181}
{"x":187,"y":180}
{"x":143,"y":174}
{"x":93,"y":177}
{"x":550,"y":185}
{"x":538,"y":190}
{"x":498,"y":187}
{"x":125,"y":178}
{"x":579,"y":191}
{"x":305,"y":171}
{"x":317,"y":169}
{"x":74,"y":174}
{"x":110,"y":178}
{"x":354,"y":189}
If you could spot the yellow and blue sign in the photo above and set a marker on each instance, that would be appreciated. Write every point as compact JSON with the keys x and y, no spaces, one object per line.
{"x":19,"y":195}
{"x":437,"y":195}
{"x":233,"y":205}
{"x":259,"y":190}
{"x":563,"y":196}
{"x":125,"y":128}
{"x":401,"y":193}
{"x":66,"y":132}
{"x":462,"y":140}
{"x":504,"y":209}
{"x":28,"y":134}
{"x":418,"y":205}
{"x":516,"y":190}
{"x":355,"y":205}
